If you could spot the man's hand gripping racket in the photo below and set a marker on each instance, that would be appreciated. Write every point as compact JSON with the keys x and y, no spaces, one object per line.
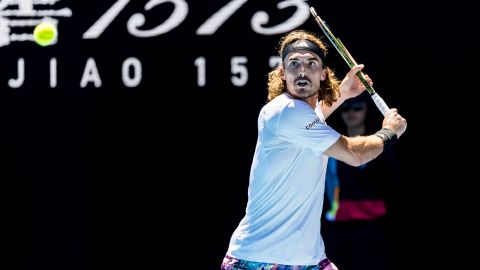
{"x":382,"y":106}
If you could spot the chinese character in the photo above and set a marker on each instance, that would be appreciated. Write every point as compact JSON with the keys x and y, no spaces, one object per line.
{"x":19,"y":17}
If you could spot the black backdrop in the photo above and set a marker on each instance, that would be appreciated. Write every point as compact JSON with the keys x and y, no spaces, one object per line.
{"x":101,"y":177}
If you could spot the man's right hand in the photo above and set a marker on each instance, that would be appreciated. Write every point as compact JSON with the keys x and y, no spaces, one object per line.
{"x":395,"y":122}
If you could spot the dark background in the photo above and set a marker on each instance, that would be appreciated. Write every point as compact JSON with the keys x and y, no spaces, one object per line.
{"x":144,"y":177}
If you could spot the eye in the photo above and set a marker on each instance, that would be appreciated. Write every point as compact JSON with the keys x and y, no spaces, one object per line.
{"x":313,"y":63}
{"x":293,"y":64}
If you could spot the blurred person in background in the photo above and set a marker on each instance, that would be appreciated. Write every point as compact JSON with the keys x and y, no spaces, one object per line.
{"x":362,"y":203}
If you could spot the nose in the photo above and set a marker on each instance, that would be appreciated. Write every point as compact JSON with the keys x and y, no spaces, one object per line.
{"x":303,"y":73}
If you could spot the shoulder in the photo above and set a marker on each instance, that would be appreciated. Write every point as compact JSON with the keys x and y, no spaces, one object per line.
{"x":287,"y":111}
{"x":288,"y":107}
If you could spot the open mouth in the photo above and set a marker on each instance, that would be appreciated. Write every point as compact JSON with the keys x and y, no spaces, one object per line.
{"x":302,"y":83}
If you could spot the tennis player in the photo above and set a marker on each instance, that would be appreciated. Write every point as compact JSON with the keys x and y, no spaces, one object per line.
{"x":281,"y":226}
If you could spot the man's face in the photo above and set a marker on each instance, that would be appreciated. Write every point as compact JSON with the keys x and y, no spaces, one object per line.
{"x":302,"y":73}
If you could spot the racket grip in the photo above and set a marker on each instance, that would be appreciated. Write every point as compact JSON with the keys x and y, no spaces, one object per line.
{"x":381,"y":105}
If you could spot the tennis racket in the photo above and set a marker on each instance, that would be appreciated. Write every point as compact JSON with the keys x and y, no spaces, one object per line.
{"x":381,"y":105}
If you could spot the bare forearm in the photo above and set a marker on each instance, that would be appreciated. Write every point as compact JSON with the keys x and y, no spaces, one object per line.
{"x":356,"y":151}
{"x":350,"y":87}
{"x":365,"y":148}
{"x":327,"y":111}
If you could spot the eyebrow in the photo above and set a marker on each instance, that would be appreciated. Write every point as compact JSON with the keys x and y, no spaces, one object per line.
{"x":308,"y":59}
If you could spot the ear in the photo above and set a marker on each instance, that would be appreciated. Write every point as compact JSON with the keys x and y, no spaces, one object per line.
{"x":282,"y":73}
{"x":324,"y":75}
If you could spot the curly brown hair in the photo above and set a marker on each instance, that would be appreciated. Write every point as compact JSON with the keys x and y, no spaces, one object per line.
{"x":329,"y":90}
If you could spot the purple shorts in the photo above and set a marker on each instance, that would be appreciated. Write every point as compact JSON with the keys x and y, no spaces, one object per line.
{"x":230,"y":263}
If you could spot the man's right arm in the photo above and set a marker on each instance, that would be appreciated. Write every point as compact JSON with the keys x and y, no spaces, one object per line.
{"x":359,"y":150}
{"x":356,"y":151}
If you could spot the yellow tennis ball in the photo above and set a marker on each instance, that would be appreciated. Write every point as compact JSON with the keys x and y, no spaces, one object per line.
{"x":45,"y":33}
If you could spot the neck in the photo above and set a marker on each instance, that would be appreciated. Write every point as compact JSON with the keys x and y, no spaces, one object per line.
{"x":310,"y":100}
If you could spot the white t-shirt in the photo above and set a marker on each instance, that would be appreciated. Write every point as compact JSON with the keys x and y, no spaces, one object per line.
{"x":287,"y":182}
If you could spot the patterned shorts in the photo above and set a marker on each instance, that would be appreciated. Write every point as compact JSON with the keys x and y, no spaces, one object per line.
{"x":230,"y":263}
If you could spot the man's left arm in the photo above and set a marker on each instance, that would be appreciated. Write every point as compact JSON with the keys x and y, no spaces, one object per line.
{"x":350,"y":87}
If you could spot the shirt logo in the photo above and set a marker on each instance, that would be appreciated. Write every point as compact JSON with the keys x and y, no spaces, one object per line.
{"x":316,"y":121}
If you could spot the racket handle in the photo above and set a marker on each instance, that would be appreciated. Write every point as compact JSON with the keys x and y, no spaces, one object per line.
{"x":381,"y":105}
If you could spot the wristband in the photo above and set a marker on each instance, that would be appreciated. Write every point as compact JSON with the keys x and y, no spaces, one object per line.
{"x":388,"y":136}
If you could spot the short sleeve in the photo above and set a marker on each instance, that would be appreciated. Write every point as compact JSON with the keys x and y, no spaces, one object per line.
{"x":299,"y":124}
